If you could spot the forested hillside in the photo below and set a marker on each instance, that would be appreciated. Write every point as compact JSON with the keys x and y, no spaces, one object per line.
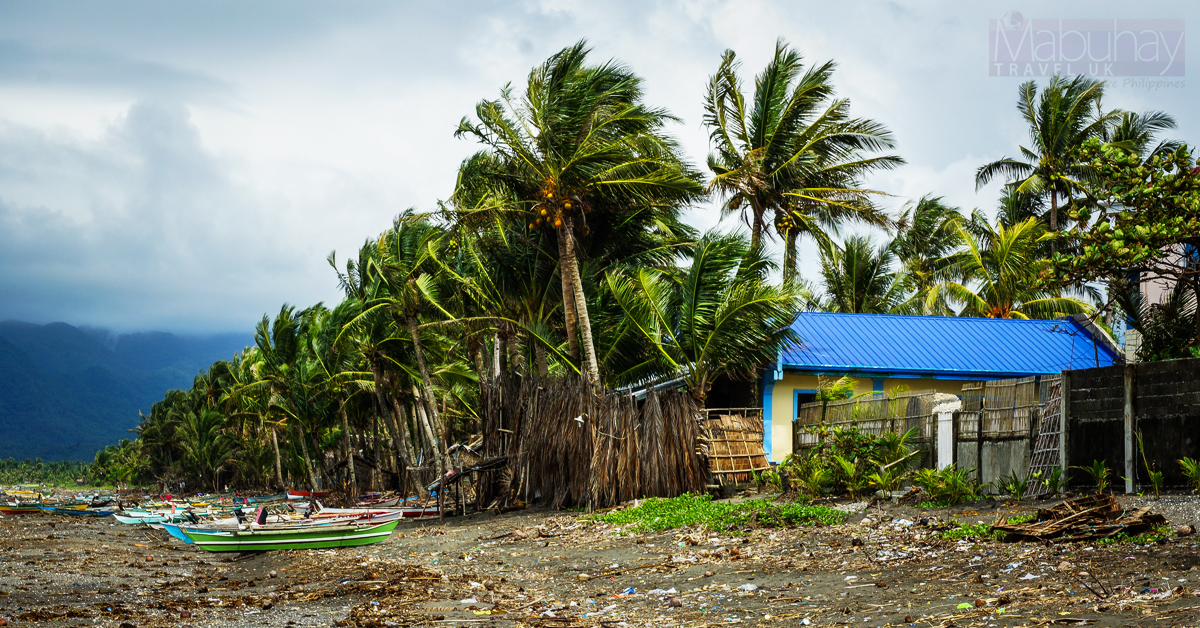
{"x":66,"y":392}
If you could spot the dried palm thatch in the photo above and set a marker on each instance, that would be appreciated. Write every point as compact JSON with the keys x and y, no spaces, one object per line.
{"x":571,"y":443}
{"x":733,"y":443}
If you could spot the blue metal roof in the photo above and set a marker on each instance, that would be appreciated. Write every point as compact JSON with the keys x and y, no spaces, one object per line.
{"x":943,"y":346}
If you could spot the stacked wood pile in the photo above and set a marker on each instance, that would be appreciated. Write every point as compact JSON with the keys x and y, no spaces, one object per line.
{"x":1083,"y":519}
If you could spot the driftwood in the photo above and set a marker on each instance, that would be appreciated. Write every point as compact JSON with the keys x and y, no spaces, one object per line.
{"x":1082,"y":519}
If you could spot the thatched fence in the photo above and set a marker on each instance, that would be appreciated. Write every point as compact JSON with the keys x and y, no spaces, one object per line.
{"x":569,"y":443}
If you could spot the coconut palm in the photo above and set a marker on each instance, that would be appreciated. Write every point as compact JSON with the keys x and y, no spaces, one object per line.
{"x":1065,"y":115}
{"x":861,"y":278}
{"x":580,"y":150}
{"x":793,"y":154}
{"x":998,"y":274}
{"x":926,"y":236}
{"x":718,"y":316}
{"x":206,"y":447}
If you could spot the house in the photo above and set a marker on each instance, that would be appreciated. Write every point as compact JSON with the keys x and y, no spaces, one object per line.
{"x":938,"y":353}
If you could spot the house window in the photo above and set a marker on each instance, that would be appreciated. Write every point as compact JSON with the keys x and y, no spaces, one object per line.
{"x":801,"y":397}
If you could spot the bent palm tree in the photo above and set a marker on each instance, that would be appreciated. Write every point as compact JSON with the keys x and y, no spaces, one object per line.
{"x":580,"y":146}
{"x":794,"y":151}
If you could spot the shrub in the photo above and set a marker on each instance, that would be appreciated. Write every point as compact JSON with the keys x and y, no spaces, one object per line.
{"x":1099,"y":473}
{"x":1191,"y":470}
{"x":949,"y":486}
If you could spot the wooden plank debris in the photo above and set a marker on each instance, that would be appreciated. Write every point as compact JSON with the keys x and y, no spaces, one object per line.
{"x":1082,"y":519}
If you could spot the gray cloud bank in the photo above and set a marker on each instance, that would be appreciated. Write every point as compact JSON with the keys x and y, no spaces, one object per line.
{"x":188,"y":167}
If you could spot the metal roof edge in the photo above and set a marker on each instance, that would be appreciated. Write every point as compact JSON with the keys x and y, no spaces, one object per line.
{"x":877,"y":371}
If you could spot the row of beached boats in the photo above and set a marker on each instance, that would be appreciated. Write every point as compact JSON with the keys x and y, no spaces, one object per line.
{"x":254,"y":524}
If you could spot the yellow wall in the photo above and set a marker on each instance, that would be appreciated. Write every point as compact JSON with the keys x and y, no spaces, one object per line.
{"x":783,"y":395}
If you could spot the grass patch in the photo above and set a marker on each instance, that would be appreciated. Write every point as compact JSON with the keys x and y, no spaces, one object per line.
{"x":656,"y":514}
{"x":969,"y":530}
{"x":1146,"y":538}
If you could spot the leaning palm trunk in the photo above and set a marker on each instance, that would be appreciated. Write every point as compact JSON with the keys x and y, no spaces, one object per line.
{"x":348,"y":450}
{"x":278,"y":464}
{"x":565,"y":251}
{"x":433,"y":442}
{"x":585,"y":323}
{"x":406,"y":445}
{"x":312,"y":477}
{"x":429,"y":402}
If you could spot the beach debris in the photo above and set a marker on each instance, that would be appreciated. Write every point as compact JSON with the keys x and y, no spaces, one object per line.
{"x":1082,"y":519}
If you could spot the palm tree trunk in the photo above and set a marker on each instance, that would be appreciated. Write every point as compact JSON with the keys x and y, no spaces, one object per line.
{"x":376,"y":474}
{"x":1053,"y":219}
{"x":406,"y":445}
{"x":542,"y":367}
{"x":789,"y":257}
{"x":426,"y":385}
{"x":312,"y":477}
{"x":756,"y":228}
{"x":278,"y":465}
{"x":581,"y":311}
{"x":570,"y":316}
{"x":497,"y":349}
{"x":348,"y":450}
{"x":437,"y":451}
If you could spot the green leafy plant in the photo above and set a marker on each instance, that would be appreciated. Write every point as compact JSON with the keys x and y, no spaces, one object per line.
{"x":887,"y":478}
{"x":1191,"y":471}
{"x":1156,"y":477}
{"x":1099,"y":472}
{"x":656,"y":514}
{"x":849,"y":474}
{"x":1015,"y":485}
{"x":1055,"y":483}
{"x":949,"y":486}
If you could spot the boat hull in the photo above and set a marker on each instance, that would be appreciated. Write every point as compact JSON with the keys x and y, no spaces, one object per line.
{"x":18,"y":510}
{"x":319,"y":537}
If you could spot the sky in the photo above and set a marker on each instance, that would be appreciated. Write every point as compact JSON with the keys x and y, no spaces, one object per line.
{"x":188,"y":167}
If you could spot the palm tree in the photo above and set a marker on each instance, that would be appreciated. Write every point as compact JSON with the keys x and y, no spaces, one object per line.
{"x":718,"y":316}
{"x":794,"y":151}
{"x":206,"y":445}
{"x":578,"y":150}
{"x":1061,"y":119}
{"x":926,"y":236}
{"x":997,"y":274}
{"x":861,"y":278}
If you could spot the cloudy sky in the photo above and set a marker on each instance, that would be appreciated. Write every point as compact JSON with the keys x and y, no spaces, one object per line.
{"x":188,"y":166}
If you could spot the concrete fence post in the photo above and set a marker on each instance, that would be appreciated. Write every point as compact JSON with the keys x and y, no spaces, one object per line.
{"x":1129,"y":428}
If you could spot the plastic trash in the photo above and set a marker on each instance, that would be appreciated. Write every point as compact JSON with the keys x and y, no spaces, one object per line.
{"x":629,"y":591}
{"x":748,"y":587}
{"x":469,"y":600}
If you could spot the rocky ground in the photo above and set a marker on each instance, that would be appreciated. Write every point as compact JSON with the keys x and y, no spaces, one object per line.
{"x":887,"y":566}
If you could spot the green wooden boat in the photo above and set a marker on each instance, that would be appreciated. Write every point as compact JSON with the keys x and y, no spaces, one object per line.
{"x":308,"y":537}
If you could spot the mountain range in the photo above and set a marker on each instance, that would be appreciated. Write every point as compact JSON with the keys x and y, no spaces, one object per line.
{"x":66,"y":392}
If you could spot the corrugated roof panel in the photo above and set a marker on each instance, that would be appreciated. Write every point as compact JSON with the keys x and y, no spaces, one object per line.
{"x":933,"y":345}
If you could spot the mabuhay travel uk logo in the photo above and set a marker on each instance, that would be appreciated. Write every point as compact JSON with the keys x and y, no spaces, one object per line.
{"x":1020,"y":46}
